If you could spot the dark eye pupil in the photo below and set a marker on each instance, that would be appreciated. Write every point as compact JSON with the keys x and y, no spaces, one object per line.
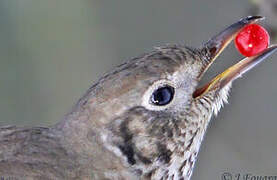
{"x":162,"y":96}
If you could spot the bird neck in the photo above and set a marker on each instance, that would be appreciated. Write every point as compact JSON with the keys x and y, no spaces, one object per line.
{"x":187,"y":144}
{"x":74,"y":129}
{"x":82,"y":137}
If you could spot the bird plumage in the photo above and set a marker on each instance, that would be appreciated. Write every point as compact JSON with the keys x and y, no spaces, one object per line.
{"x":116,"y":132}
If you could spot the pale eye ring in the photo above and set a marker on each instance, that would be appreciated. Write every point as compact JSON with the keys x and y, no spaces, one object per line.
{"x":162,"y":96}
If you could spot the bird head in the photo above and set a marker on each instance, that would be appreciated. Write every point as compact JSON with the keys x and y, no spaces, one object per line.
{"x":150,"y":113}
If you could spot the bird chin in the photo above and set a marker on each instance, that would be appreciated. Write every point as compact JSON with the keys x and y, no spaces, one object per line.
{"x":221,"y":98}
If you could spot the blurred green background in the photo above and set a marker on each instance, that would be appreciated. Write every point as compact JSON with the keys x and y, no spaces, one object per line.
{"x":52,"y":51}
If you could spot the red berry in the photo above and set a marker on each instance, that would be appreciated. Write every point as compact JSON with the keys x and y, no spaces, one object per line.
{"x":251,"y":40}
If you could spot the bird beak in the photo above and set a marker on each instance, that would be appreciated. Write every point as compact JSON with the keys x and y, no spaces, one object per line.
{"x":234,"y":72}
{"x":217,"y":44}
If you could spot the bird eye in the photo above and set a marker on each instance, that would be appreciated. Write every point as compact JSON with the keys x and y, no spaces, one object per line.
{"x":162,"y":96}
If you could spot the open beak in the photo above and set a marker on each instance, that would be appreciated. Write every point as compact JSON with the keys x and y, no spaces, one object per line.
{"x":217,"y":44}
